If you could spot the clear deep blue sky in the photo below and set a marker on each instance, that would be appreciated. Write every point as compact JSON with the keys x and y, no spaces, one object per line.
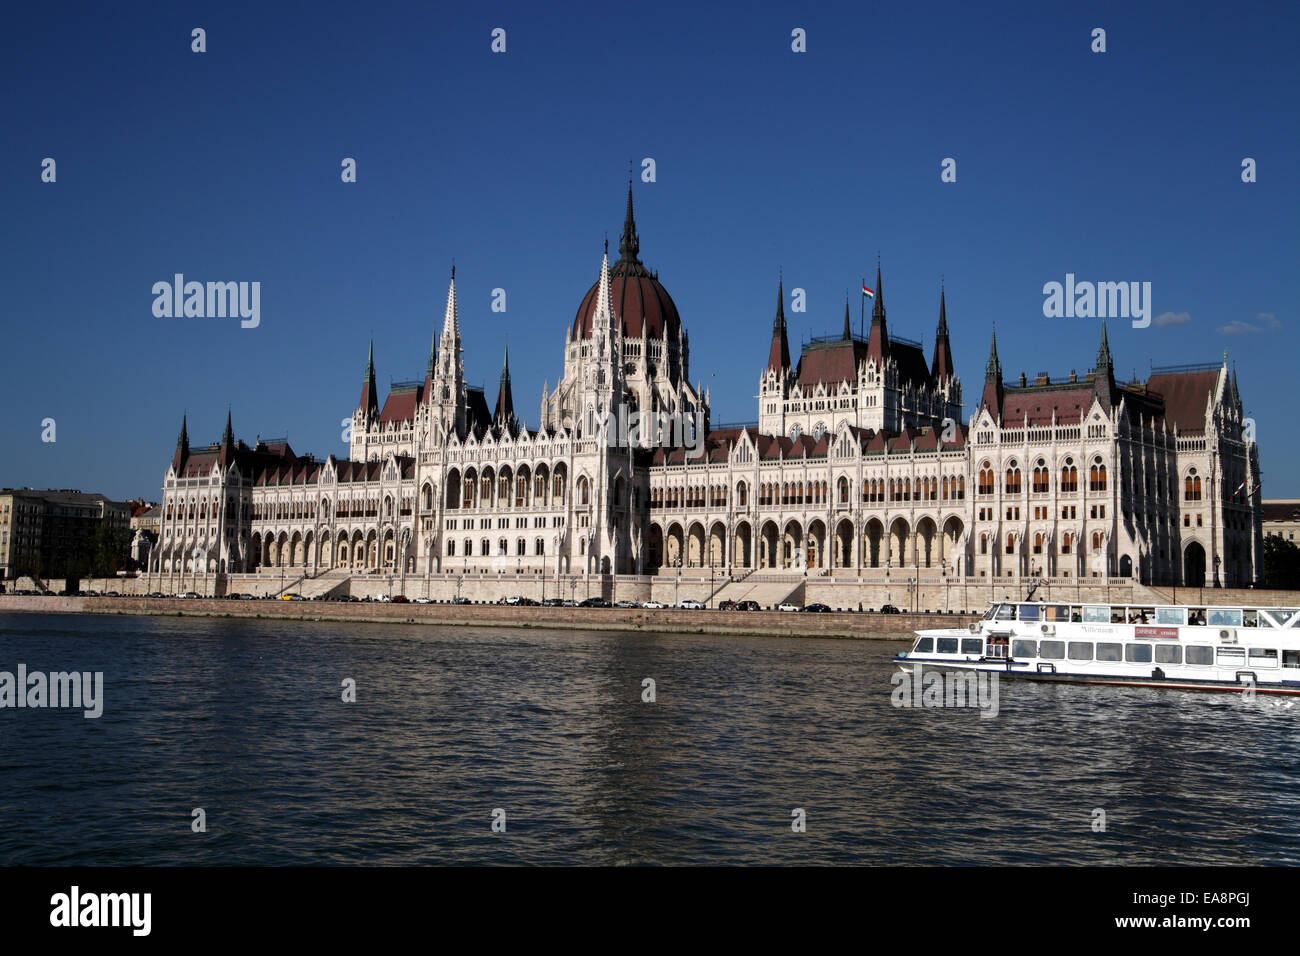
{"x":225,"y":166}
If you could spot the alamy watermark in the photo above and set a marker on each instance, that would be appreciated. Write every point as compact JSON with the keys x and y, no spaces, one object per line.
{"x":642,"y":429}
{"x":212,"y":300}
{"x":1098,"y":300}
{"x":945,"y":688}
{"x":59,"y":689}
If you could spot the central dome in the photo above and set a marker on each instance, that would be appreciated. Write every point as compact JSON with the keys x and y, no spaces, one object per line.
{"x":642,"y":304}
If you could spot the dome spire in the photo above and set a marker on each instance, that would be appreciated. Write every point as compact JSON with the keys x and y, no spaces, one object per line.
{"x":629,"y":246}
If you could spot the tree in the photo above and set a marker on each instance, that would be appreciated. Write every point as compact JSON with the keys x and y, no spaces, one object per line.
{"x":1281,"y":563}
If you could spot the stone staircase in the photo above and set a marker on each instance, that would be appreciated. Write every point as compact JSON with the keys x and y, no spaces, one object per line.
{"x":767,"y":591}
{"x":325,"y":585}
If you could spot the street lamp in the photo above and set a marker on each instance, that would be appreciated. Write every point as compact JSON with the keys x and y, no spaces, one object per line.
{"x":573,"y":586}
{"x":677,"y":563}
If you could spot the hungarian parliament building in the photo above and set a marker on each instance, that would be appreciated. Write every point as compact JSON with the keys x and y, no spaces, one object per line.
{"x":859,"y":462}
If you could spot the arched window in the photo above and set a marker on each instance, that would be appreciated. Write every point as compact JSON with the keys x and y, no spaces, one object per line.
{"x":1192,"y":486}
{"x":1097,"y":475}
{"x":984,"y":544}
{"x":1013,"y":479}
{"x":842,"y":488}
{"x":1011,"y":544}
{"x":1065,"y":542}
{"x":1038,"y":544}
{"x":742,"y":494}
{"x":1042,"y":480}
{"x":986,"y":479}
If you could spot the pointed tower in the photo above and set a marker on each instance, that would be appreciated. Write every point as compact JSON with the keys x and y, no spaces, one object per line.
{"x":941,"y":368}
{"x":431,"y":366}
{"x":1103,"y":385}
{"x":369,"y":404}
{"x":878,"y":340}
{"x":778,"y":355}
{"x":993,"y":390}
{"x":182,"y":448}
{"x":447,"y":391}
{"x":505,"y":410}
{"x":848,"y":327}
{"x":629,"y":244}
{"x":227,"y":443}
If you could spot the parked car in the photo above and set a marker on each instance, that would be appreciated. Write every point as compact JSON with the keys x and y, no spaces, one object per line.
{"x":789,"y":607}
{"x":889,"y":609}
{"x":234,"y":596}
{"x":652,"y":605}
{"x":553,"y":602}
{"x":528,"y":602}
{"x":423,"y":600}
{"x":748,"y":606}
{"x":626,"y":604}
{"x":155,"y":594}
{"x":689,"y":605}
{"x":511,"y":600}
{"x":817,"y":609}
{"x":188,"y":594}
{"x":594,"y":602}
{"x":400,"y":599}
{"x":248,"y":597}
{"x":726,"y":605}
{"x":460,"y":600}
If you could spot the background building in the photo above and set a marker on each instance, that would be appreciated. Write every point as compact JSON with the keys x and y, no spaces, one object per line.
{"x":60,"y":534}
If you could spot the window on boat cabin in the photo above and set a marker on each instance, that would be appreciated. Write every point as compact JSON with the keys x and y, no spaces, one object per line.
{"x":1006,"y":612}
{"x":1196,"y":616}
{"x":1275,"y":616}
{"x":924,"y":645}
{"x":1117,"y":614}
{"x":1231,"y":656}
{"x":1169,"y":654}
{"x":1171,"y":615}
{"x":1250,"y":618}
{"x":1141,"y":615}
{"x":972,"y":645}
{"x":1023,"y":648}
{"x":988,"y":615}
{"x":1056,"y":612}
{"x":1109,"y":651}
{"x":1096,"y":615}
{"x":1029,"y":612}
{"x":1138,"y":653}
{"x":1051,"y":650}
{"x":1081,"y":650}
{"x":946,"y":645}
{"x":1201,"y":654}
{"x":1263,"y":657}
{"x":1224,"y":617}
{"x":1291,"y":658}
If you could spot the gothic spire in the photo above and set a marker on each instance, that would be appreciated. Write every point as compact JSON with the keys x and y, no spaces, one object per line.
{"x":505,"y":410}
{"x":778,"y":355}
{"x":629,"y":246}
{"x":369,"y":397}
{"x":942,"y":367}
{"x":993,"y":370}
{"x":878,"y":339}
{"x":182,"y":448}
{"x":848,"y":328}
{"x":993,"y":390}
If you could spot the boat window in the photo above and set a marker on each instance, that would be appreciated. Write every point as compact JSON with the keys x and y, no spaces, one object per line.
{"x":1117,"y":614}
{"x":1029,"y":612}
{"x":1096,"y":615}
{"x":1023,"y":648}
{"x":924,"y":645}
{"x":1006,"y":612}
{"x":1275,"y":616}
{"x":988,"y":615}
{"x":1232,"y":655}
{"x":1224,"y":617}
{"x":1171,"y":615}
{"x":1109,"y":652}
{"x":1291,"y":658}
{"x":1056,"y":612}
{"x":1263,"y":657}
{"x":1051,"y":650}
{"x":1169,"y":654}
{"x":1250,"y":619}
{"x":1200,"y":654}
{"x":1138,"y":653}
{"x":1196,"y":616}
{"x":947,"y":645}
{"x":972,"y":645}
{"x":1081,"y":650}
{"x":1141,"y":615}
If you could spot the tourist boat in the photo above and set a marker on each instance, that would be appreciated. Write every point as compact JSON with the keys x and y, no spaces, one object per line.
{"x":1190,"y":647}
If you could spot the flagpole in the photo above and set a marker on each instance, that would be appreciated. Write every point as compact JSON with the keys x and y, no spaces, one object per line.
{"x":862,"y":310}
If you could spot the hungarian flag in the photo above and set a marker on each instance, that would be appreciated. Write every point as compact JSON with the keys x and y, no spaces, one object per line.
{"x":1239,"y":490}
{"x":867,"y":292}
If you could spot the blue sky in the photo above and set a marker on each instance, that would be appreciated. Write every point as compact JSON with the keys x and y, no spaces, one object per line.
{"x":1123,"y":165}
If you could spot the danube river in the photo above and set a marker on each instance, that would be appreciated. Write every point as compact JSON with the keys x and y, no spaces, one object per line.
{"x":244,"y":719}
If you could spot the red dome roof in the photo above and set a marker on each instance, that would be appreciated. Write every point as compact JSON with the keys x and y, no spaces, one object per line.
{"x":639,"y":300}
{"x":643,"y":305}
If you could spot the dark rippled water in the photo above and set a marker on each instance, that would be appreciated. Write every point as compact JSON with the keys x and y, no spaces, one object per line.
{"x":244,"y":719}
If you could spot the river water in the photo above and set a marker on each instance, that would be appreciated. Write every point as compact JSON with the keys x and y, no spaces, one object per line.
{"x":245,"y":720}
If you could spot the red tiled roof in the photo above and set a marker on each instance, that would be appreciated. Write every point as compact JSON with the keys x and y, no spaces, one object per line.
{"x":1186,"y":395}
{"x":1037,"y":404}
{"x":401,"y":404}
